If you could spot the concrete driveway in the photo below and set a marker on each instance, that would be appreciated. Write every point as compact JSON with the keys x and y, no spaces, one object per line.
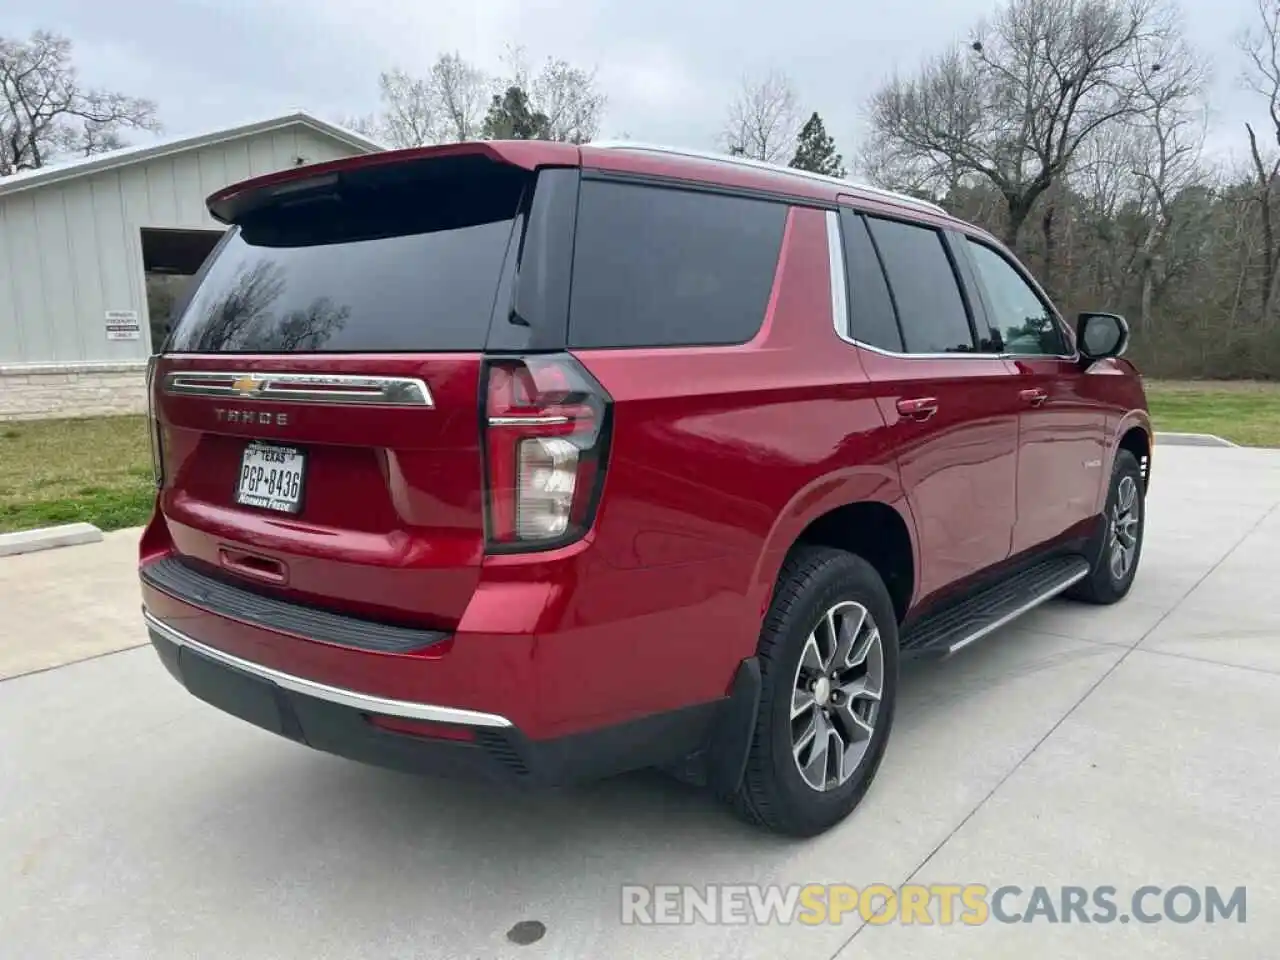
{"x":1123,"y":746}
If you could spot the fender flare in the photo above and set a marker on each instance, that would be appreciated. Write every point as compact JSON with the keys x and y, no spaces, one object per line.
{"x":862,"y":484}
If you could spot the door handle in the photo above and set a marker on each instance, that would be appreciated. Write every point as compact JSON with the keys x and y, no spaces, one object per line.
{"x":918,"y":408}
{"x":1034,"y":396}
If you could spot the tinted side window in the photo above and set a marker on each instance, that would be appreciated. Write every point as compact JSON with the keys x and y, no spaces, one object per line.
{"x":665,"y":267}
{"x":1025,"y":323}
{"x":871,"y":316}
{"x":930,"y":308}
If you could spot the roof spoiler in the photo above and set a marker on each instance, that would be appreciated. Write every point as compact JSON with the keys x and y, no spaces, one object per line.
{"x":232,"y":204}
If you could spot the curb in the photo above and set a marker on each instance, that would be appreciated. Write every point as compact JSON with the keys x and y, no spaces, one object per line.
{"x":1194,"y":440}
{"x":47,"y":538}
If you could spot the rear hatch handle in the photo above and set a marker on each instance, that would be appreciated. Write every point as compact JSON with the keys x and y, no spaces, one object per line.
{"x":251,"y":565}
{"x":300,"y":387}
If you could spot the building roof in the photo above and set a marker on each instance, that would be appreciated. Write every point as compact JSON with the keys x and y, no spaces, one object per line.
{"x":164,"y":147}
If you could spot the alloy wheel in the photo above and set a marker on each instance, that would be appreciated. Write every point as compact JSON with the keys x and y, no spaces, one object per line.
{"x":836,"y":696}
{"x":1125,"y":518}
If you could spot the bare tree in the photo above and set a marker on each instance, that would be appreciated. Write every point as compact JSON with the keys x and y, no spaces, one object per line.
{"x":1103,"y":172}
{"x":462,"y":93}
{"x":411,"y":113}
{"x":1166,"y":151}
{"x":447,"y":105}
{"x":571,"y":99}
{"x":1261,"y":46}
{"x":763,"y":120}
{"x":1015,"y":106}
{"x":454,"y":100}
{"x":1137,"y":218}
{"x":1103,"y":185}
{"x":366,"y":124}
{"x":568,"y":97}
{"x":45,"y":112}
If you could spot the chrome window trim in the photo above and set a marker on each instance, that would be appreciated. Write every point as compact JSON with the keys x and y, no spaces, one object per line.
{"x":872,"y":192}
{"x":839,"y":282}
{"x":301,"y":387}
{"x":365,"y":702}
{"x":840,"y":311}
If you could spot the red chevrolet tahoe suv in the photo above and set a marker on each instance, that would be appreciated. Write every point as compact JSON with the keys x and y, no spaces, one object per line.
{"x":545,"y":462}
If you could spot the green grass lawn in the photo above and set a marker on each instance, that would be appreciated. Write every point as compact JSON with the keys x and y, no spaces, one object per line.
{"x":61,"y":471}
{"x":1244,"y":412}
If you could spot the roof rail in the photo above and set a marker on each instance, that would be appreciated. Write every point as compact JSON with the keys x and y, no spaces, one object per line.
{"x":893,"y":195}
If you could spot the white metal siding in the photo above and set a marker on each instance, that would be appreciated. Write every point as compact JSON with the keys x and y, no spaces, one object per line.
{"x":72,"y":250}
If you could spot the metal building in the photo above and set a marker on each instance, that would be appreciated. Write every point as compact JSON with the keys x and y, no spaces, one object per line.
{"x":93,"y":253}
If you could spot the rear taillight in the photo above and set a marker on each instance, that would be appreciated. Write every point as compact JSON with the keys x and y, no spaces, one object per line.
{"x":546,"y":423}
{"x":153,"y":424}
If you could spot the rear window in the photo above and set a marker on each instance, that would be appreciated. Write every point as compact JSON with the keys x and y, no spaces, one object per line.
{"x":669,"y":267}
{"x":403,"y":258}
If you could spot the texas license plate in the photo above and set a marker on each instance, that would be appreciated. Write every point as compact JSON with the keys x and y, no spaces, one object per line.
{"x":272,"y":477}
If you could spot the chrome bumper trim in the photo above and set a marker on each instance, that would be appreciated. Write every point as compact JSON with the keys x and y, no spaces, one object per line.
{"x":322,"y":691}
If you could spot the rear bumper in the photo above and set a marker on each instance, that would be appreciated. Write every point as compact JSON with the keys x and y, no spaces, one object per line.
{"x":331,"y":726}
{"x":363,"y":702}
{"x":478,"y":745}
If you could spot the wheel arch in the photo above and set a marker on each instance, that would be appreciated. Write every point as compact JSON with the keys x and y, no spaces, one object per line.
{"x":1135,"y":435}
{"x":863,"y":512}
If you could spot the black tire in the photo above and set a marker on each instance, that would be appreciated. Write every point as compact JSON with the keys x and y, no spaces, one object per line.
{"x":1102,"y":585}
{"x":773,"y":792}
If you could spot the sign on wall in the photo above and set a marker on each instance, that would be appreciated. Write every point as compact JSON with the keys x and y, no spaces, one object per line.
{"x":123,"y":325}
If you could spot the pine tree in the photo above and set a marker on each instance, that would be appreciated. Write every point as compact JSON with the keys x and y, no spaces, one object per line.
{"x":511,"y":117}
{"x":816,"y":151}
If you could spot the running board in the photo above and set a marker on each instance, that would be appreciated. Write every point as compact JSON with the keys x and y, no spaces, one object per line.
{"x":957,"y":626}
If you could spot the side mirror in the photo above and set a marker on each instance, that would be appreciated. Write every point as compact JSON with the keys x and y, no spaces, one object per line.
{"x":1101,"y":335}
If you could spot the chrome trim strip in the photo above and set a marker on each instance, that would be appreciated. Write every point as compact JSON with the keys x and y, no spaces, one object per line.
{"x":947,"y":356}
{"x":534,"y":421}
{"x":300,"y":387}
{"x":322,"y":691}
{"x":839,"y":288}
{"x":951,"y":356}
{"x":1013,"y":615}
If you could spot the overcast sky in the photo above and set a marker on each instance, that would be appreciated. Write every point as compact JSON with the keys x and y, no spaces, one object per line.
{"x":668,"y":66}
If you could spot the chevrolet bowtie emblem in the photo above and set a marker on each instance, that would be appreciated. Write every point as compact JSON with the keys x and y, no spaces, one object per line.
{"x":246,"y":385}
